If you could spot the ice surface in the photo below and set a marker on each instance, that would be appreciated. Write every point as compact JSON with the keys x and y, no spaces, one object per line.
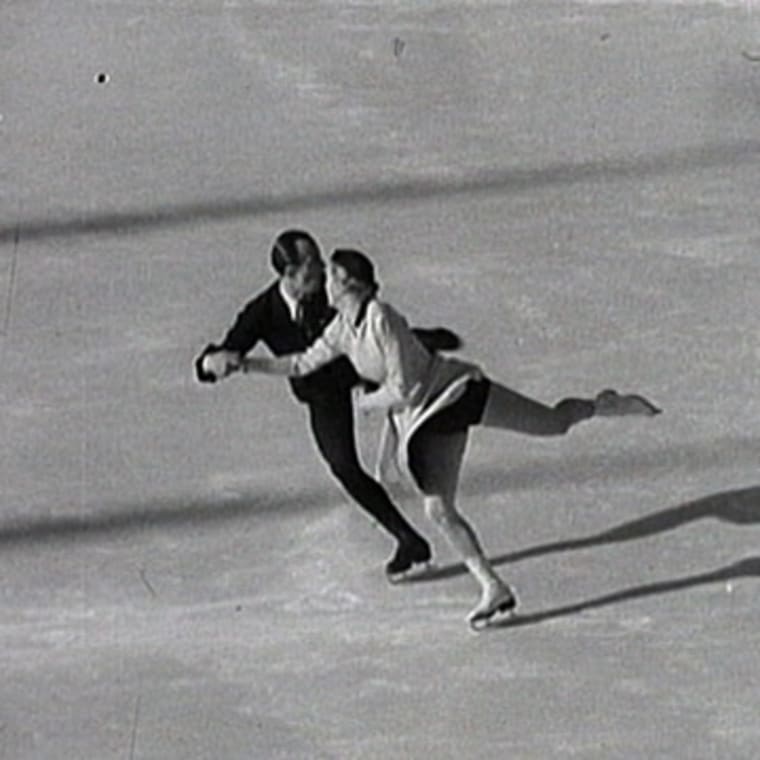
{"x":572,"y":186}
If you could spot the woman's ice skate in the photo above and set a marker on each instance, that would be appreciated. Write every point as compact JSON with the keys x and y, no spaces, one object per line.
{"x":610,"y":403}
{"x":498,"y":602}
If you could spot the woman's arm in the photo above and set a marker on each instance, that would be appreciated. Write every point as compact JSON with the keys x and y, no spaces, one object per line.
{"x":400,"y":385}
{"x":267,"y":365}
{"x":321,"y":352}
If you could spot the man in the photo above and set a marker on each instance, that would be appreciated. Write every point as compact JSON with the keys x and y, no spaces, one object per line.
{"x":287,"y":317}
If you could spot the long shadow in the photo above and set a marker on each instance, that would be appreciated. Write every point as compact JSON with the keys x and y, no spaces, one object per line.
{"x":746,"y":568}
{"x":504,"y":182}
{"x":624,"y":465}
{"x":739,"y":507}
{"x":173,"y":513}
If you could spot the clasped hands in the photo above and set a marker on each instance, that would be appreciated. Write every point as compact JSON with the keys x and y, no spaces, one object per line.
{"x":216,"y":363}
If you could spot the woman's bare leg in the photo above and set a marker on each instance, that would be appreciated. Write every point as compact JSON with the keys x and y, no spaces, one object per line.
{"x":509,"y":410}
{"x":438,"y":459}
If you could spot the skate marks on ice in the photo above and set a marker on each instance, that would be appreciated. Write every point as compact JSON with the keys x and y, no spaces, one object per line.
{"x":507,"y":181}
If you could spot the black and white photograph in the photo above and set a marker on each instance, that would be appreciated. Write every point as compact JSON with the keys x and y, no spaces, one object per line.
{"x":380,"y":379}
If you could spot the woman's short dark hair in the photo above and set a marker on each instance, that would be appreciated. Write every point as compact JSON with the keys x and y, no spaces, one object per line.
{"x":285,"y":252}
{"x":357,"y":266}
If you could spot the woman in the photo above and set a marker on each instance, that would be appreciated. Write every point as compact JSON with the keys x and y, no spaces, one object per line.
{"x":431,"y":402}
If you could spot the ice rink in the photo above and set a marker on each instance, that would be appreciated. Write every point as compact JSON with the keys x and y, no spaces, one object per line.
{"x":572,"y":186}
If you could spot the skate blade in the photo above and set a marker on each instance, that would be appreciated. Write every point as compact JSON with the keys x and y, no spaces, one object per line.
{"x":415,"y":572}
{"x":482,"y":620}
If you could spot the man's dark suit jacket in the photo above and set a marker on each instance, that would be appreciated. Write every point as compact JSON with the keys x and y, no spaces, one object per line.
{"x":266,"y":318}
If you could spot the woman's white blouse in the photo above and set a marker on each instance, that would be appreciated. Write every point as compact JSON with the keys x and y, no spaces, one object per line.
{"x":382,"y":349}
{"x":414,"y":384}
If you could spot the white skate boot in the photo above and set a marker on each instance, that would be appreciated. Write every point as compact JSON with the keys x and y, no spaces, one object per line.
{"x":500,"y":600}
{"x":609,"y":403}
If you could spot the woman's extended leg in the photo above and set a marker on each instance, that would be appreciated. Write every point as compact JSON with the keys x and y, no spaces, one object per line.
{"x":436,"y":460}
{"x":510,"y":410}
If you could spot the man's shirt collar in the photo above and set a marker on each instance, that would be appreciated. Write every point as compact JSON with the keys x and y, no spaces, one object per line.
{"x":290,"y":302}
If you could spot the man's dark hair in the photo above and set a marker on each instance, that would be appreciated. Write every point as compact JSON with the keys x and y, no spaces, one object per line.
{"x":285,"y":254}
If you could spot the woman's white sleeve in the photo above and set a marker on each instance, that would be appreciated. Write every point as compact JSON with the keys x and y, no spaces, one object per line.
{"x":399,"y":386}
{"x":321,"y":352}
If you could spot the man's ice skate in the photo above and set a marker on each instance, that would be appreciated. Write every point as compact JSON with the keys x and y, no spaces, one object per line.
{"x":410,"y":560}
{"x":609,"y":403}
{"x":500,"y":602}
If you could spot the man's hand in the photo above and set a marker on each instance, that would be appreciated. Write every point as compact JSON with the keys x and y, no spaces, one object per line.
{"x":215,"y":363}
{"x":221,"y":363}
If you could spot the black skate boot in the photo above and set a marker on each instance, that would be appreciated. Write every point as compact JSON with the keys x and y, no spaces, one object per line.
{"x":407,"y":555}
